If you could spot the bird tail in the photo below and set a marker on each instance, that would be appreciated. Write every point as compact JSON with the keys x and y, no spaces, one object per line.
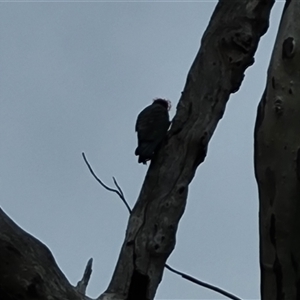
{"x":145,"y":152}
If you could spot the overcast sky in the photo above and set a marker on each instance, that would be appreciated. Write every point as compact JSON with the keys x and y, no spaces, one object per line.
{"x":73,"y":78}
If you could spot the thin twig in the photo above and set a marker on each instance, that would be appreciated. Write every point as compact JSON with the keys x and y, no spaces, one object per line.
{"x":202,"y":283}
{"x":118,"y":187}
{"x":82,"y":284}
{"x":120,"y":193}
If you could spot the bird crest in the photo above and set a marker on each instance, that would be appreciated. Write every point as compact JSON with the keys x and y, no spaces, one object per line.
{"x":166,"y":100}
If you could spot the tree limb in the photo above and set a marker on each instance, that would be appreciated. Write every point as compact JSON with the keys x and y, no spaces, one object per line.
{"x":27,"y":268}
{"x":202,"y":283}
{"x":227,"y":49}
{"x":183,"y":275}
{"x":118,"y":191}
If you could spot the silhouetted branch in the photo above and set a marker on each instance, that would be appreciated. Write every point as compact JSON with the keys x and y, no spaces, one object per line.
{"x":118,"y":187}
{"x":204,"y":284}
{"x":28,"y":269}
{"x":120,"y":193}
{"x":82,"y":284}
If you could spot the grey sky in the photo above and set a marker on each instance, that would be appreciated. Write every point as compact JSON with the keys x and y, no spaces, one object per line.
{"x":73,"y":77}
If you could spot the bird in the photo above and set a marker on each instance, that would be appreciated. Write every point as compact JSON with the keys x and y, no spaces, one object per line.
{"x":151,"y":126}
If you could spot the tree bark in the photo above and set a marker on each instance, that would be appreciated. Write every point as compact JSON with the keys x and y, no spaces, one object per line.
{"x":28,"y":269}
{"x":227,"y":49}
{"x":277,"y":164}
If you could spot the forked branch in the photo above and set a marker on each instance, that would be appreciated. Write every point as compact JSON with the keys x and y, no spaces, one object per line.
{"x":120,"y":193}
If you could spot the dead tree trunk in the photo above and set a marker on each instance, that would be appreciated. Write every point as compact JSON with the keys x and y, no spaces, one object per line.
{"x":227,"y":49}
{"x":277,"y":164}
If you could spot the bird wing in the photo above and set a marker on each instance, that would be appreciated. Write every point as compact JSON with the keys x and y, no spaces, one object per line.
{"x":152,"y":123}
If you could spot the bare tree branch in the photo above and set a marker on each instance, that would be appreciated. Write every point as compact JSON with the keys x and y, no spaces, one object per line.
{"x":202,"y":283}
{"x":82,"y":284}
{"x":117,"y":185}
{"x":183,"y":275}
{"x":120,"y":194}
{"x":28,"y":269}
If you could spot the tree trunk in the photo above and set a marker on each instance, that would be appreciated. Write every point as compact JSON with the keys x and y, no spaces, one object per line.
{"x":228,"y":47}
{"x":277,"y":164}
